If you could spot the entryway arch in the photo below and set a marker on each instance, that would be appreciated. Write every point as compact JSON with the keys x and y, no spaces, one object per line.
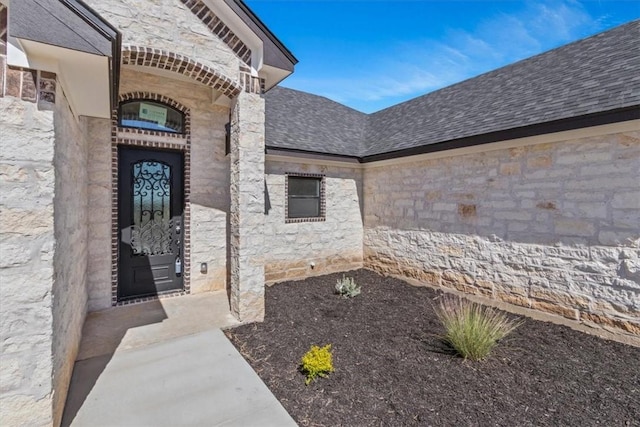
{"x":166,"y":268}
{"x":160,"y":59}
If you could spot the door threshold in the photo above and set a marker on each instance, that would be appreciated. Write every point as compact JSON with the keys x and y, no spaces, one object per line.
{"x":162,"y":295}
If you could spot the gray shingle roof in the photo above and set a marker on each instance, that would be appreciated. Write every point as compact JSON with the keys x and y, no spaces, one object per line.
{"x":52,"y":22}
{"x":593,"y":75}
{"x":302,"y":121}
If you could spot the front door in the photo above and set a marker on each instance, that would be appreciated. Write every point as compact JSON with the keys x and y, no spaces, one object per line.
{"x":150,"y":230}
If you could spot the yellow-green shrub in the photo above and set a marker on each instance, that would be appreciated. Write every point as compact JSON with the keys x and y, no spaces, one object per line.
{"x":317,"y":362}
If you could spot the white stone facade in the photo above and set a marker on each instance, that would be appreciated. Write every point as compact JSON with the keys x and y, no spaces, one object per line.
{"x":246,"y":225}
{"x":553,"y":226}
{"x":71,"y":248}
{"x":58,"y":172}
{"x":27,"y":262}
{"x":301,"y":249}
{"x":44,"y":262}
{"x":99,"y":220}
{"x":168,"y":25}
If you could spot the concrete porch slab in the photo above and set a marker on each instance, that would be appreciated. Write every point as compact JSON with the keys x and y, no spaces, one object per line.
{"x":131,"y":326}
{"x":167,"y":363}
{"x":195,"y":380}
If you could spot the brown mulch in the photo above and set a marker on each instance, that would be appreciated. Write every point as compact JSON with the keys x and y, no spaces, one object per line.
{"x":392,"y":369}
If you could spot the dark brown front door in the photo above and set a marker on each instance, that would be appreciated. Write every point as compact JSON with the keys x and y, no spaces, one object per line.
{"x":150,"y":229}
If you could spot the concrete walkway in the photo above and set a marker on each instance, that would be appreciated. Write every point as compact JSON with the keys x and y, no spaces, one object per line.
{"x":174,"y":369}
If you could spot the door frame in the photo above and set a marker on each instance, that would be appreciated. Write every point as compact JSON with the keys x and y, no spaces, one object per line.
{"x":151,"y":140}
{"x":129,"y":263}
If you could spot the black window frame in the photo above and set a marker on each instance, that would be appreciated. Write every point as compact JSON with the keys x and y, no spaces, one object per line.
{"x":169,"y":107}
{"x":320,"y":178}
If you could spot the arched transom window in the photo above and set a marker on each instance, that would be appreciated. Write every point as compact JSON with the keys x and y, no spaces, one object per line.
{"x":150,"y":115}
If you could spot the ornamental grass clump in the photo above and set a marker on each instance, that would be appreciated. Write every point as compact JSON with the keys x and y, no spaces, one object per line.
{"x":317,"y":362}
{"x":471,"y":329}
{"x":347,"y":287}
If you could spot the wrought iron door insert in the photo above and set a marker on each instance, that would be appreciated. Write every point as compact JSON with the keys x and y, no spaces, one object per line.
{"x":150,"y":207}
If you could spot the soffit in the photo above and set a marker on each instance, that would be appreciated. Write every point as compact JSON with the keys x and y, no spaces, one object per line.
{"x":69,"y":39}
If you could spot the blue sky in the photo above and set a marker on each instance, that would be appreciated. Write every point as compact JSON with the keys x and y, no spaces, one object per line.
{"x":371,"y":54}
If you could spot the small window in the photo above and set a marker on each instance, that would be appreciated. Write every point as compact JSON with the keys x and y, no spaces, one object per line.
{"x":305,"y":198}
{"x":150,"y":115}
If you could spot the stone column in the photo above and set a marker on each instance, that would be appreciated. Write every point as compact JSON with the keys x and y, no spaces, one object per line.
{"x":27,"y":181}
{"x":247,"y":208}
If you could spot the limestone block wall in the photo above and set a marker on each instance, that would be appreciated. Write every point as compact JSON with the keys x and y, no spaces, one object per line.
{"x":27,"y":245}
{"x":98,"y":133}
{"x":209,"y":197}
{"x":552,"y":226}
{"x":71,"y":237}
{"x":334,"y":244}
{"x":246,"y":221}
{"x":209,"y":186}
{"x":168,"y":25}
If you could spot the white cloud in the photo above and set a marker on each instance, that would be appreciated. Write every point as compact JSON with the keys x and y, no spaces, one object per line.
{"x":417,"y":67}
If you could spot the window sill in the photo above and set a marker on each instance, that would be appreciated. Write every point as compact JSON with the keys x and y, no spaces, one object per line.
{"x":138,"y":131}
{"x":297,"y":220}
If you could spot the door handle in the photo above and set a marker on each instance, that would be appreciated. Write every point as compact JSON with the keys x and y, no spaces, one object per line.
{"x":178,"y":266}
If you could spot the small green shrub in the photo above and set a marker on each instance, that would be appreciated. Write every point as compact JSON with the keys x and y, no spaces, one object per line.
{"x":472,"y":329}
{"x":347,"y":287}
{"x":317,"y":362}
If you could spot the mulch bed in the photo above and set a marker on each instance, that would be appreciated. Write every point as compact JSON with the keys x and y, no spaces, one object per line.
{"x":392,"y":369}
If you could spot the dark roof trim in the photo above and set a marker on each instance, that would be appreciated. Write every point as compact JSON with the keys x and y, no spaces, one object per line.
{"x":272,"y":37}
{"x":290,"y":152}
{"x":588,"y":120}
{"x":109,"y":32}
{"x":91,"y":17}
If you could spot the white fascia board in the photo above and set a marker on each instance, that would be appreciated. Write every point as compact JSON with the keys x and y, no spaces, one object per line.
{"x":83,"y":76}
{"x":240,"y":29}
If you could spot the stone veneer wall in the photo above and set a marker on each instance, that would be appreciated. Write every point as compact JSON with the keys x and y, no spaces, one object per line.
{"x":99,"y":218}
{"x":168,"y":25}
{"x":217,"y":27}
{"x":246,"y":221}
{"x":553,"y":226}
{"x":70,"y":258}
{"x":209,"y":200}
{"x":334,"y":244}
{"x":27,"y":179}
{"x":28,"y":255}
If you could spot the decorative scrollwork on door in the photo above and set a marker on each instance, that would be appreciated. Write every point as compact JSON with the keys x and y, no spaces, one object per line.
{"x":151,"y":233}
